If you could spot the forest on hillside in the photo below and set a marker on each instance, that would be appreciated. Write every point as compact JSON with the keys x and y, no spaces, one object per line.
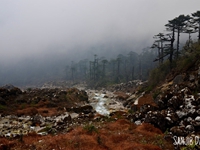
{"x":133,"y":66}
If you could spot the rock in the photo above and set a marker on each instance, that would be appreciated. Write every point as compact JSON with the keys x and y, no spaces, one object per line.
{"x":15,"y":91}
{"x":83,"y":109}
{"x":2,"y":101}
{"x":8,"y":86}
{"x":146,"y":107}
{"x":178,"y":79}
{"x":189,"y":128}
{"x":121,"y":95}
{"x":138,"y":122}
{"x":178,"y":130}
{"x":37,"y":120}
{"x":157,"y":119}
{"x":191,"y":77}
{"x":197,"y":118}
{"x":175,"y":102}
{"x":4,"y":93}
{"x":67,"y":118}
{"x":166,"y":86}
{"x":181,"y":114}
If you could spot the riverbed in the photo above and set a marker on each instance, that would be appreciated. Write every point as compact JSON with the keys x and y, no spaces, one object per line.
{"x":104,"y":102}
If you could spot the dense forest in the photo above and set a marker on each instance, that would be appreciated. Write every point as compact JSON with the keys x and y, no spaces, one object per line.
{"x":133,"y":66}
{"x":100,"y":71}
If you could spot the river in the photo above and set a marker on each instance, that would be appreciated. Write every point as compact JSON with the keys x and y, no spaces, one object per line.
{"x":104,"y":102}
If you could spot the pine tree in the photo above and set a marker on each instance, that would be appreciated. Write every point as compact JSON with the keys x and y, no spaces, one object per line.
{"x":196,"y":22}
{"x":171,"y":27}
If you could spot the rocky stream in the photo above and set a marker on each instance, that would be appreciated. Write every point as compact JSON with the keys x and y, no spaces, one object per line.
{"x":173,"y":107}
{"x":99,"y":102}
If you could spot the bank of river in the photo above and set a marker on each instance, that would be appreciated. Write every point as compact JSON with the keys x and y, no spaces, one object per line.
{"x":103,"y":102}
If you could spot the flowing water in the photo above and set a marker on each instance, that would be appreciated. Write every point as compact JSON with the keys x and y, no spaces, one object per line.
{"x":100,"y":106}
{"x":104,"y":104}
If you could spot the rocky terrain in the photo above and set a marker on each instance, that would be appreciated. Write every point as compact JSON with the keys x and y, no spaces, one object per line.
{"x":173,"y":107}
{"x":69,"y":118}
{"x":167,"y":117}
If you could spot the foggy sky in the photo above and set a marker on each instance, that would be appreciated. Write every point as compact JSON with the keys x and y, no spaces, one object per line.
{"x":31,"y":28}
{"x":38,"y":29}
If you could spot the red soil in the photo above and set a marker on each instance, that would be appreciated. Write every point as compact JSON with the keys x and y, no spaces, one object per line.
{"x":146,"y":99}
{"x":118,"y":135}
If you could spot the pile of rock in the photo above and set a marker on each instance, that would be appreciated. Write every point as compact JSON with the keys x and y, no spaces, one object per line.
{"x":15,"y":101}
{"x":12,"y":126}
{"x":42,"y":110}
{"x":178,"y":108}
{"x":126,"y":87}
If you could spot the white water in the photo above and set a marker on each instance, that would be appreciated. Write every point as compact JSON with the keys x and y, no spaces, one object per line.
{"x":100,"y":106}
{"x":104,"y":104}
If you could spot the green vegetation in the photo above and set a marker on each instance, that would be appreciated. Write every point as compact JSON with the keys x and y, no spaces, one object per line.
{"x":188,"y":57}
{"x":90,"y":128}
{"x":159,"y":74}
{"x":192,"y":146}
{"x":155,"y":94}
{"x":159,"y":141}
{"x":23,"y":105}
{"x":2,"y":107}
{"x":101,"y":72}
{"x":165,"y":51}
{"x":130,"y":111}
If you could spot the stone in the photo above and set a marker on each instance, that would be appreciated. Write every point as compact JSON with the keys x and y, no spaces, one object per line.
{"x":8,"y":86}
{"x":37,"y":120}
{"x":189,"y":128}
{"x":191,"y":77}
{"x":181,"y":114}
{"x":138,"y":122}
{"x":178,"y":130}
{"x":178,"y":79}
{"x":157,"y":119}
{"x":175,"y":102}
{"x":67,"y":118}
{"x":197,"y":118}
{"x":83,"y":109}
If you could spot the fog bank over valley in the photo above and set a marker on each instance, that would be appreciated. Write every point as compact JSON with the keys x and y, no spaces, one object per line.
{"x":40,"y":39}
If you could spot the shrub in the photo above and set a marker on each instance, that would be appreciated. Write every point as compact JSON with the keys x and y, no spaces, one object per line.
{"x":90,"y":128}
{"x":159,"y":74}
{"x":2,"y":107}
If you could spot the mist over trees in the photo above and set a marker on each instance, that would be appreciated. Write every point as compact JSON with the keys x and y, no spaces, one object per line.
{"x":102,"y":64}
{"x":100,"y":71}
{"x":132,"y":66}
{"x":74,"y":66}
{"x":182,"y":24}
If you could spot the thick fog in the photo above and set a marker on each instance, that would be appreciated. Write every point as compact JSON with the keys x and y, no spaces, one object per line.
{"x":39,"y":38}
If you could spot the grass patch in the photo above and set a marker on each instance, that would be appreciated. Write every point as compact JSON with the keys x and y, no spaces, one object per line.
{"x":155,"y":94}
{"x":130,"y":111}
{"x":187,"y":59}
{"x":2,"y":107}
{"x":159,"y":74}
{"x":90,"y":128}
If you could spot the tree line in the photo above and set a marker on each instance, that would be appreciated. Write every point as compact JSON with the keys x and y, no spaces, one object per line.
{"x":133,"y":66}
{"x":164,"y":42}
{"x":100,"y":71}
